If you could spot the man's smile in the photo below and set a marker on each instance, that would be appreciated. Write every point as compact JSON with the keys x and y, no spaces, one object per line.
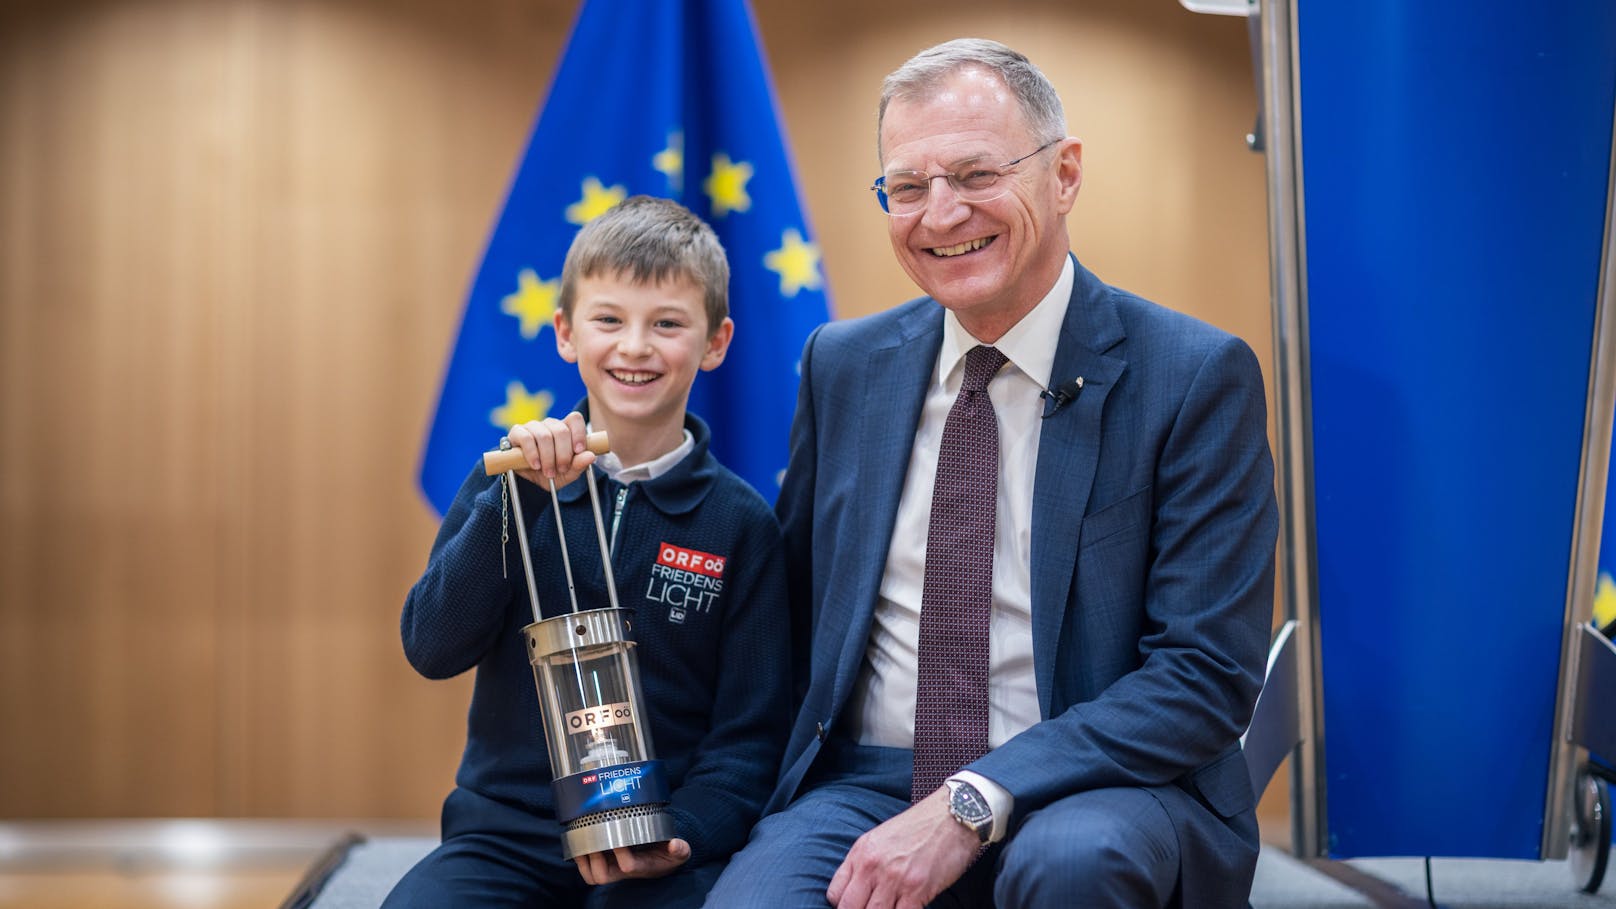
{"x":944,"y":252}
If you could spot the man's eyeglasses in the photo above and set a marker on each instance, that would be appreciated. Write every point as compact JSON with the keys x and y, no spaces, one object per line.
{"x":904,"y":192}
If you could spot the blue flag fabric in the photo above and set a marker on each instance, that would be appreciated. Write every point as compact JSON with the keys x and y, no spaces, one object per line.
{"x":668,"y":99}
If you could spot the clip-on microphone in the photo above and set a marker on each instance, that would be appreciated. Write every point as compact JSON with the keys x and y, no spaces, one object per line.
{"x":1062,"y":394}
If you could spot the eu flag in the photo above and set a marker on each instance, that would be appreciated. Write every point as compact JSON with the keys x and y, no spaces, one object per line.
{"x":668,"y":99}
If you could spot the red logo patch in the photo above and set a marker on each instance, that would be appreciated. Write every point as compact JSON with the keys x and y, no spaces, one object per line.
{"x":690,"y":560}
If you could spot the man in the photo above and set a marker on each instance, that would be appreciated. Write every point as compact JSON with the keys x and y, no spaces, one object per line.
{"x":1031,"y":521}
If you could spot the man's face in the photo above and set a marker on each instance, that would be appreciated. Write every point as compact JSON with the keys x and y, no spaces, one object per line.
{"x":990,"y":262}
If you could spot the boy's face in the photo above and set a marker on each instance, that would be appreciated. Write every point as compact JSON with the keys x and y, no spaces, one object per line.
{"x":638,"y":347}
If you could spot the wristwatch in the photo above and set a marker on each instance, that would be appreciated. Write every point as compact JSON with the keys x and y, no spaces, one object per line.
{"x":969,"y":808}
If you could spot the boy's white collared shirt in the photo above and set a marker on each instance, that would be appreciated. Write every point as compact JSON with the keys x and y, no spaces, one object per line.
{"x":650,"y":470}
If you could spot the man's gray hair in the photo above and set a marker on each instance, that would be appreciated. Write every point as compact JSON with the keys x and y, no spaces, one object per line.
{"x":648,"y":241}
{"x":925,"y":71}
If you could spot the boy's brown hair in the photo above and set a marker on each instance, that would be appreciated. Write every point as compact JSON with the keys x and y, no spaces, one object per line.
{"x":649,"y":241}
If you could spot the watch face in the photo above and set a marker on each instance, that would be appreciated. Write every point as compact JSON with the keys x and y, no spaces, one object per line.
{"x":970,"y":808}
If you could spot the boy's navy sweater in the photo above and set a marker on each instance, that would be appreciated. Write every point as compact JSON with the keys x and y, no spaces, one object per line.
{"x":712,"y":650}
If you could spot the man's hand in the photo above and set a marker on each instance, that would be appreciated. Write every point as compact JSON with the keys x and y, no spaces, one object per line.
{"x":653,"y":860}
{"x":906,"y":861}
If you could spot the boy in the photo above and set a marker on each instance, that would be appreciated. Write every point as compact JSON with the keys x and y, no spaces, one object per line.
{"x":643,"y":308}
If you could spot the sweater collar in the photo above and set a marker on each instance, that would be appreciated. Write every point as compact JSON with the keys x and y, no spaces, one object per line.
{"x":677,"y":491}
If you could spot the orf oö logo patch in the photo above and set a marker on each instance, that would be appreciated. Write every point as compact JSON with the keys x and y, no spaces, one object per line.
{"x":688,"y":581}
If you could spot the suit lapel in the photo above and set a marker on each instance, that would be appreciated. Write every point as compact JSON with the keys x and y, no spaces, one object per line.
{"x":1068,"y":452}
{"x":895,"y":379}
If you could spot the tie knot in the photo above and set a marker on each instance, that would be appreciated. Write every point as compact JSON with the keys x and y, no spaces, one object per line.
{"x":981,"y":365}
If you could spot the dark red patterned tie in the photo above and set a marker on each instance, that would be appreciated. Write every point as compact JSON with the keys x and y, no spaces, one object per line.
{"x":951,"y":686}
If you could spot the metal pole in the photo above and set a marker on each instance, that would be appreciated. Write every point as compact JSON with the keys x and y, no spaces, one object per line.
{"x":1281,"y":144}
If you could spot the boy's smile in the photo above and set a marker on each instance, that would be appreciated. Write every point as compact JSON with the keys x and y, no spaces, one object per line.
{"x":638,"y":348}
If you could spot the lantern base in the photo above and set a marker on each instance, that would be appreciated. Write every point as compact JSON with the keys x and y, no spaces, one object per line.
{"x":633,"y":826}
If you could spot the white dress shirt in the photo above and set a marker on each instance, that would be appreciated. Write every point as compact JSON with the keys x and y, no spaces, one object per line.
{"x":883,"y":705}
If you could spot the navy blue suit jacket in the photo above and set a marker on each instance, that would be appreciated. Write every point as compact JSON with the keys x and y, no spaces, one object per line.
{"x":1153,"y":532}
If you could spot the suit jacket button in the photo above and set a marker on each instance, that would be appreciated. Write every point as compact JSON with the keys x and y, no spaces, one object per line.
{"x":821,"y":731}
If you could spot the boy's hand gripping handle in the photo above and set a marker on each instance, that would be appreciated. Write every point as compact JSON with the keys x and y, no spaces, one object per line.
{"x":498,"y":461}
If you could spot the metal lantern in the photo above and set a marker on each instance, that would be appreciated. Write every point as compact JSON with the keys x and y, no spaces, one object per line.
{"x":610,"y":790}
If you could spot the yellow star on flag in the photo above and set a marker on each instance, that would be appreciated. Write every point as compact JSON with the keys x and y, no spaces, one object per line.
{"x":726,"y":186}
{"x":597,"y":200}
{"x":671,"y":161}
{"x":533,"y":304}
{"x":1604,"y":601}
{"x":521,"y":406}
{"x":796,"y":262}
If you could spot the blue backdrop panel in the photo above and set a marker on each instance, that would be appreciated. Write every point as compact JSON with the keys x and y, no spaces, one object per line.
{"x":1455,"y":158}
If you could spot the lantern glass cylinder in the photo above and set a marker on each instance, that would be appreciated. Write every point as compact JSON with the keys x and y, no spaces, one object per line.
{"x":591,"y":707}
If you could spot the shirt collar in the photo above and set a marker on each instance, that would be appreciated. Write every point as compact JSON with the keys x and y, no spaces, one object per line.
{"x":1029,"y":345}
{"x":650,"y":470}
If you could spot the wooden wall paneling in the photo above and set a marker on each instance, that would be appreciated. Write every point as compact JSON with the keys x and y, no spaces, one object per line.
{"x":22,"y":752}
{"x":379,"y":244}
{"x":115,"y":580}
{"x":236,"y":188}
{"x":338,"y":384}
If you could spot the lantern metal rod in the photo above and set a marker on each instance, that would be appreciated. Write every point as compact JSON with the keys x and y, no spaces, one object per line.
{"x":600,"y":537}
{"x":561,"y":534}
{"x":521,"y":538}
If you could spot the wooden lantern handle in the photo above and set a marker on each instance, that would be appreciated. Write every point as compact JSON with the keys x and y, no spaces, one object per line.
{"x":500,"y":460}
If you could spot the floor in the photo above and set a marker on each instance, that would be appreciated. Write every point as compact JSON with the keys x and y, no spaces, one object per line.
{"x":239,"y":864}
{"x":169,"y":864}
{"x":260,"y":888}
